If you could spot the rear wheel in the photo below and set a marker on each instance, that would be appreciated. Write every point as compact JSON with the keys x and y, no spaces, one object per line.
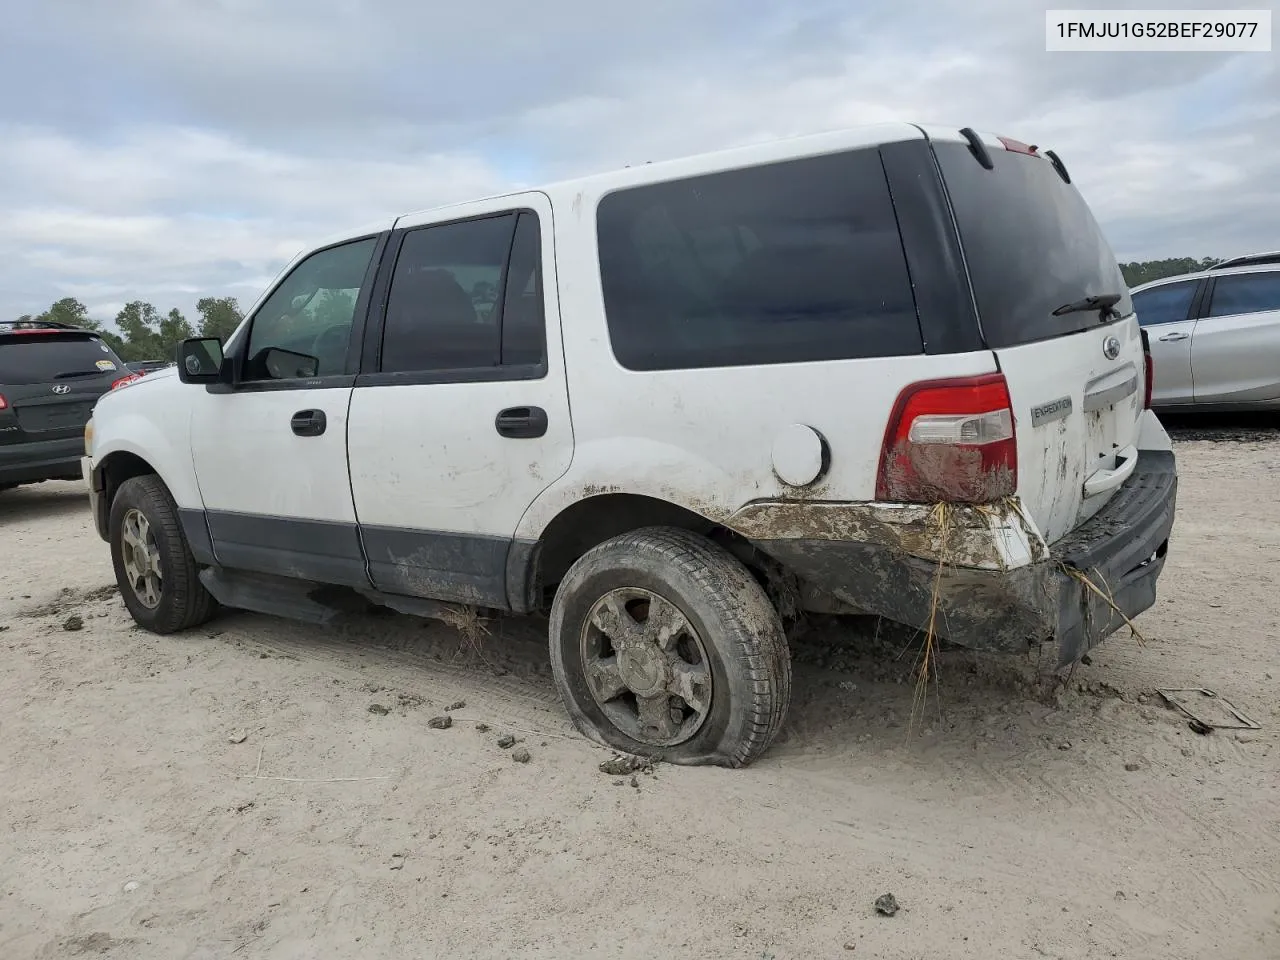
{"x":664,"y":645}
{"x":155,"y":571}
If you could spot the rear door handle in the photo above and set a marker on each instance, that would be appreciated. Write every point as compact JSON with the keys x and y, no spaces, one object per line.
{"x":1101,"y":481}
{"x":522,"y":423}
{"x":1171,"y":337}
{"x":308,"y":423}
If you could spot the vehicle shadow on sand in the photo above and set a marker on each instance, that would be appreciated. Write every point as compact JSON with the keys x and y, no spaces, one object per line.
{"x":43,"y":501}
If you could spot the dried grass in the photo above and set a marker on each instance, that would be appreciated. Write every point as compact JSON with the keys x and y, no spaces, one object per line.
{"x":926,"y":664}
{"x":1077,"y":574}
{"x":470,"y":626}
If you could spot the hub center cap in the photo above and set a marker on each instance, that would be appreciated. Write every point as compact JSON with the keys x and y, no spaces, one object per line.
{"x":643,"y":670}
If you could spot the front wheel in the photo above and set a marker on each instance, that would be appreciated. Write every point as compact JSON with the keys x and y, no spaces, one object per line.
{"x":664,"y":645}
{"x":155,"y":571}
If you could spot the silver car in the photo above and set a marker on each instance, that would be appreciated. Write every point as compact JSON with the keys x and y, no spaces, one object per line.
{"x":1215,"y":336}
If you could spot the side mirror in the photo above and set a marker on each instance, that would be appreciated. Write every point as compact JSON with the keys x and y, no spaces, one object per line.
{"x":200,"y":360}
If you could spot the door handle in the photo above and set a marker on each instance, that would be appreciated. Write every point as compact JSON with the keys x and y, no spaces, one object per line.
{"x":308,"y":423}
{"x":1171,"y":337}
{"x":1103,"y":480}
{"x":522,"y":423}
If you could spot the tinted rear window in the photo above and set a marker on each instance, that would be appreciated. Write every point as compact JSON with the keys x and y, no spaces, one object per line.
{"x":781,"y":263}
{"x":1031,"y":245}
{"x":38,"y":357}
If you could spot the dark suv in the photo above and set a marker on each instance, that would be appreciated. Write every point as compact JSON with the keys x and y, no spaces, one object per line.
{"x":51,"y":375}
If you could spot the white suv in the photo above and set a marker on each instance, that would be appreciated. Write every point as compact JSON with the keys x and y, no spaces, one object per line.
{"x":889,"y":371}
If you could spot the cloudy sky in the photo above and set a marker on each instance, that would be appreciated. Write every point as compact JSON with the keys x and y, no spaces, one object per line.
{"x":170,"y":149}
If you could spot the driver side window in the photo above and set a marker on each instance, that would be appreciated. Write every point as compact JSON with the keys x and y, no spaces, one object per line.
{"x":303,"y":329}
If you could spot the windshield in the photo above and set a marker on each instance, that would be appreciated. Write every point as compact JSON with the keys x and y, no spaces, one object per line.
{"x":38,"y":357}
{"x":1031,"y":245}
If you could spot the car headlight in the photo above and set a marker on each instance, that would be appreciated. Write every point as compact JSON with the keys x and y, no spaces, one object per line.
{"x":88,"y":438}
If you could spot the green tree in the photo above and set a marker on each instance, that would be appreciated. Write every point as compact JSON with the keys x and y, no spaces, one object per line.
{"x":219,"y":316}
{"x":173,"y":330}
{"x":72,"y":312}
{"x":140,"y":324}
{"x":1145,"y":271}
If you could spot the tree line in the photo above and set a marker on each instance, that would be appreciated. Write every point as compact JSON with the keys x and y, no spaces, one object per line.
{"x":145,"y":334}
{"x":1148,"y":270}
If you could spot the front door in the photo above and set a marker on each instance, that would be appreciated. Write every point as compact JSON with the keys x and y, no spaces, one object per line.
{"x":271,"y":454}
{"x":462,"y":418}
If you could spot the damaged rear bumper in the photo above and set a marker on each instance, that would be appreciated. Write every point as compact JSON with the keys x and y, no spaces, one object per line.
{"x":998,"y":587}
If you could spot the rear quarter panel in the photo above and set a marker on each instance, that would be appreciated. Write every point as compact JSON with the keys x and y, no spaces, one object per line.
{"x":703,"y":438}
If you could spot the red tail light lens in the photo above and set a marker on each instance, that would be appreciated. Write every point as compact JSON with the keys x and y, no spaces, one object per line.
{"x":950,"y":441}
{"x":125,"y":381}
{"x":4,"y":404}
{"x":1017,"y":146}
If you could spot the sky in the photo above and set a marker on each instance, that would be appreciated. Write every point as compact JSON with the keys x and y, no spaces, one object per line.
{"x":167,"y":150}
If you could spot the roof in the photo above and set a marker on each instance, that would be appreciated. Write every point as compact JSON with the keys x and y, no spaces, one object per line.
{"x":1254,"y":263}
{"x":727,"y":159}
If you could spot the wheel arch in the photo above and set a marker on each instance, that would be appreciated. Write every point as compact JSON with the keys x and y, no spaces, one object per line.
{"x":535,"y":568}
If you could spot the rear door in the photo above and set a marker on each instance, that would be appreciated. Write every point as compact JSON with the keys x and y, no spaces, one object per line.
{"x":1166,"y":312}
{"x":462,"y":417}
{"x":1033,"y":252}
{"x":50,"y":380}
{"x":1235,"y":352}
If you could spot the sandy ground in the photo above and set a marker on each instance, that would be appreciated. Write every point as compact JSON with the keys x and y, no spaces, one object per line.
{"x":1096,"y":826}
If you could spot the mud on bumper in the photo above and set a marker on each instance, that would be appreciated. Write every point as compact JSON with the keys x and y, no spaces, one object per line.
{"x":1121,"y":551}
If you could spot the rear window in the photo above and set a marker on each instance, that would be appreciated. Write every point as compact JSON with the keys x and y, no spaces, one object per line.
{"x":40,"y":357}
{"x":782,"y":263}
{"x":1031,"y":245}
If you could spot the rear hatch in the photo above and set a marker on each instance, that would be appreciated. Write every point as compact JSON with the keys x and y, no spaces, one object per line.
{"x":50,"y":381}
{"x":1035,"y":256}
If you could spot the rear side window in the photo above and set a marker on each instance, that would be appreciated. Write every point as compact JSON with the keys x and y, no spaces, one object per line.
{"x":783,"y":263}
{"x":1031,"y":245}
{"x":1169,"y":303}
{"x":1245,"y":293}
{"x":40,"y":357}
{"x":466,"y":295}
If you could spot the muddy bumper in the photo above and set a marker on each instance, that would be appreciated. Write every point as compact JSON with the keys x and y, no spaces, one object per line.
{"x":1077,"y":593}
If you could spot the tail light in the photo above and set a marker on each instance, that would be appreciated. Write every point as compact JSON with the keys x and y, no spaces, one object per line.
{"x":4,"y":404}
{"x":1148,"y":371}
{"x":125,"y":381}
{"x":950,"y":441}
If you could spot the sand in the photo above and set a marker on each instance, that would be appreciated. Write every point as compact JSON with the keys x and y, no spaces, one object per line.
{"x":1005,"y":824}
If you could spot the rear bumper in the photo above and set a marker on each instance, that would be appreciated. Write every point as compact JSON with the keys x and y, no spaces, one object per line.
{"x":41,"y":460}
{"x":1121,"y":551}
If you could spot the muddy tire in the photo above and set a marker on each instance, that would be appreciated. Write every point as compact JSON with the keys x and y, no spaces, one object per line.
{"x":155,"y":571}
{"x":664,"y":645}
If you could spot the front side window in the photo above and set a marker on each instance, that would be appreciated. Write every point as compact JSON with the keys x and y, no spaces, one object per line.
{"x":466,"y":296}
{"x":1169,"y":303}
{"x":782,"y":263}
{"x":1245,"y":293}
{"x":304,"y":328}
